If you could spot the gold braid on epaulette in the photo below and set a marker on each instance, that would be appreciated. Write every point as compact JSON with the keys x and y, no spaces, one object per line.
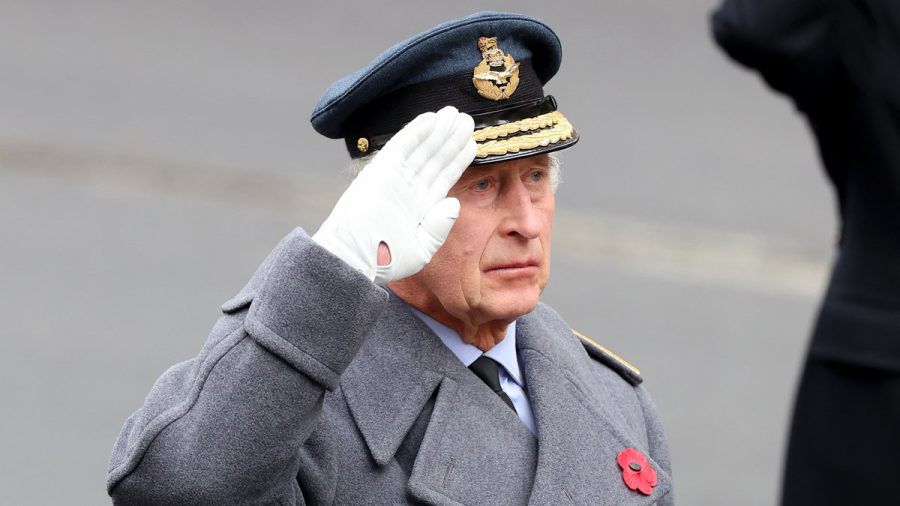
{"x":602,"y":348}
{"x":541,"y":130}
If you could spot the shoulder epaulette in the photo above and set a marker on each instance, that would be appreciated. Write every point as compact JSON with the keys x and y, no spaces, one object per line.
{"x":610,"y":359}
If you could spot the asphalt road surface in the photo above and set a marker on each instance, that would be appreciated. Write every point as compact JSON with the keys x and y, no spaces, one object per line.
{"x":152,"y":153}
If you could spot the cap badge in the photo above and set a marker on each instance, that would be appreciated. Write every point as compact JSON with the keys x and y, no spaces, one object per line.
{"x":497,"y":76}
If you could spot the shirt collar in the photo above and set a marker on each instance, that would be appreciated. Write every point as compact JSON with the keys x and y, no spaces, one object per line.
{"x":503,"y":352}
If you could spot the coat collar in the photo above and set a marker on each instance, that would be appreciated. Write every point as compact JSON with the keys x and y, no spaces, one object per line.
{"x":474,"y":449}
{"x":504,"y":352}
{"x":395,"y":373}
{"x":585,"y":415}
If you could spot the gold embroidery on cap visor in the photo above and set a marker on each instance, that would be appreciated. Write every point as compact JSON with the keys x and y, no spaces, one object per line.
{"x":529,"y":133}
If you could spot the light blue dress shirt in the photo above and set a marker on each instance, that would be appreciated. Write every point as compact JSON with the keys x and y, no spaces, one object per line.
{"x":511,"y":379}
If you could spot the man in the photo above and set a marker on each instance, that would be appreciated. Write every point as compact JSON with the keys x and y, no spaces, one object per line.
{"x":840,"y":63}
{"x":401,"y":354}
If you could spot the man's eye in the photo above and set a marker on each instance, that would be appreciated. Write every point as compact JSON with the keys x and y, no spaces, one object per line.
{"x":482,"y":185}
{"x":537,"y":176}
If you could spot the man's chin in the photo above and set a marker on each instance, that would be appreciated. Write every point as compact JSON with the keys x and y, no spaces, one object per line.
{"x":511,"y":304}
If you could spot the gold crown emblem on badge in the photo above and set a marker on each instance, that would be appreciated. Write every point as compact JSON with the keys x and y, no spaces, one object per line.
{"x":497,"y":76}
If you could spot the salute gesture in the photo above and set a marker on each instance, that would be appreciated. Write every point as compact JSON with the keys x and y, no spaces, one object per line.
{"x":400,"y":198}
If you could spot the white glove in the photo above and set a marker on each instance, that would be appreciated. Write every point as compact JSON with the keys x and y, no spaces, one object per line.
{"x":400,"y":198}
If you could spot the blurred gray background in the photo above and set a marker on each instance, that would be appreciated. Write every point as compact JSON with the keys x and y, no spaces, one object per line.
{"x":151,"y":154}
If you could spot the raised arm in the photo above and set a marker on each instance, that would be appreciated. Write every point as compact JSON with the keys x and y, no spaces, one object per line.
{"x":226,"y":427}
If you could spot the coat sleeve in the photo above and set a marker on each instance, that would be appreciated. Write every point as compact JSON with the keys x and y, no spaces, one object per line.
{"x":226,"y":426}
{"x":788,"y":41}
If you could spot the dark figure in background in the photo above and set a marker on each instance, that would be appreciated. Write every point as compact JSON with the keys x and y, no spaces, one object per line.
{"x":840,"y":63}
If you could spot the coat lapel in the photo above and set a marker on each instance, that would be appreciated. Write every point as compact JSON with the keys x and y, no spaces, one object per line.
{"x":581,"y":426}
{"x":474,"y":449}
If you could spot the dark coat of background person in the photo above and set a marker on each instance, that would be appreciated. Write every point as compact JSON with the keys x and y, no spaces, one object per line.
{"x":318,"y":387}
{"x":840,"y":63}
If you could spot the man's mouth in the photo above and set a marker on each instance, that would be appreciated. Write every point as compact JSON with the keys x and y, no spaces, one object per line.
{"x":518,"y":268}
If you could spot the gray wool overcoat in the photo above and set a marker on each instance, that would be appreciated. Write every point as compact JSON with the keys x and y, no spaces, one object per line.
{"x":318,"y":387}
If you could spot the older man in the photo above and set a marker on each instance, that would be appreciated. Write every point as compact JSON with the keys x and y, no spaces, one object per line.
{"x":401,"y":353}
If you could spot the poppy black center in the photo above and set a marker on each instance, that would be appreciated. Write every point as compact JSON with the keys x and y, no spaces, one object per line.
{"x":635,"y":466}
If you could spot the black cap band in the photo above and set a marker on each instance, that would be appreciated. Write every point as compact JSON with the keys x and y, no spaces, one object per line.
{"x":489,"y":118}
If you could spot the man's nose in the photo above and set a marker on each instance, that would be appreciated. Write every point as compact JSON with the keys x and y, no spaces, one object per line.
{"x":521,"y":217}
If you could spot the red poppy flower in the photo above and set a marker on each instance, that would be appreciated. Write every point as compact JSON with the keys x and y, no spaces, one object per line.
{"x":636,"y":471}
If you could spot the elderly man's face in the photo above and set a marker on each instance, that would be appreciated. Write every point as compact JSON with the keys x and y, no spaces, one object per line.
{"x":496,"y":260}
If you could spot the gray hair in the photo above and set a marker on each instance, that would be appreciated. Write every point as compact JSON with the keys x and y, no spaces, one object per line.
{"x":356,"y":166}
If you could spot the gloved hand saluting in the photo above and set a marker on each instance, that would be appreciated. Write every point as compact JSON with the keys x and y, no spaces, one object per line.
{"x":400,"y":198}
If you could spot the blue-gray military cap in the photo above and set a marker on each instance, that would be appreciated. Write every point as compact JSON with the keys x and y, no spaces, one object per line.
{"x":491,"y":65}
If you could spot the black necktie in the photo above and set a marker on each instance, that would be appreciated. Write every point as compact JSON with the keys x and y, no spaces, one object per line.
{"x":487,"y":369}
